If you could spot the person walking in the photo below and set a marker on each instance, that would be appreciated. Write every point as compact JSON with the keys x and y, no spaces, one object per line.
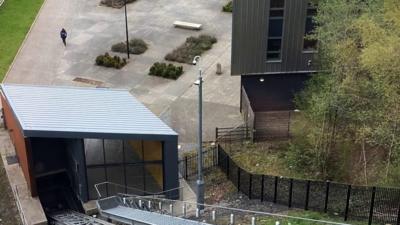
{"x":63,"y":34}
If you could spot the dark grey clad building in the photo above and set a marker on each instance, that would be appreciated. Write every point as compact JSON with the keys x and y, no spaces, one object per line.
{"x":271,"y":53}
{"x":69,"y":139}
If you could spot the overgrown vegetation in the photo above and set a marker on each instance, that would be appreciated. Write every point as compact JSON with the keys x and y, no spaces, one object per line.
{"x":228,"y":7}
{"x":167,"y":71}
{"x":351,"y":109}
{"x":15,"y":19}
{"x":110,"y":61}
{"x":136,"y":46}
{"x":192,"y":47}
{"x":115,"y":3}
{"x":304,"y":214}
{"x":8,"y":210}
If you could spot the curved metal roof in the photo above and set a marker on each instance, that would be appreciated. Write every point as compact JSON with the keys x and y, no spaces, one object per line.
{"x":56,"y":111}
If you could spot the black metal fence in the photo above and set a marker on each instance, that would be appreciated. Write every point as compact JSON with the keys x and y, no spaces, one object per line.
{"x":375,"y":204}
{"x":188,"y":164}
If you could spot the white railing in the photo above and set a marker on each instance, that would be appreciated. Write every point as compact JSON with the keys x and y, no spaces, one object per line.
{"x":213,"y":214}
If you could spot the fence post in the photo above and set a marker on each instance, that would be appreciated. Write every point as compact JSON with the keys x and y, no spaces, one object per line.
{"x":227,"y":165}
{"x":307,"y":195}
{"x":290,"y":193}
{"x":216,"y":133}
{"x":238,"y":179}
{"x":276,"y":189}
{"x":346,"y":213}
{"x":186,"y":167}
{"x":398,"y":216}
{"x":371,"y":209}
{"x":262,"y":188}
{"x":250,"y":185}
{"x":288,"y":127}
{"x":328,"y":184}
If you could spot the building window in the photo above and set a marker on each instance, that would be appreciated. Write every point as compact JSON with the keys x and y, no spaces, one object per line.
{"x":310,"y":44}
{"x":275,"y":30}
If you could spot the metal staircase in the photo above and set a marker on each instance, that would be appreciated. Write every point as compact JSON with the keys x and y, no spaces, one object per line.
{"x":74,"y":218}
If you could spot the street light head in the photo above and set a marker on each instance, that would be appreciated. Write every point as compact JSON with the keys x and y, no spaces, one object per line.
{"x":196,"y":59}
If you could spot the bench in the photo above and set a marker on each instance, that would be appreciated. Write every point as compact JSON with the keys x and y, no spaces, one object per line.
{"x":186,"y":25}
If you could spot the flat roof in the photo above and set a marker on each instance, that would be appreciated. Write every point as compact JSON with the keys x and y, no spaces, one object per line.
{"x":77,"y":112}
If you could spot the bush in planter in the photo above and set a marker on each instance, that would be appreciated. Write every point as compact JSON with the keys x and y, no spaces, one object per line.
{"x":193,"y":46}
{"x":167,"y":71}
{"x":115,"y":3}
{"x":110,"y":61}
{"x":136,"y":46}
{"x":228,"y":7}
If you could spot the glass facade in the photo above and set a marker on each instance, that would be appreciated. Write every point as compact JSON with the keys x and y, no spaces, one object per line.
{"x":275,"y":30}
{"x":136,"y":164}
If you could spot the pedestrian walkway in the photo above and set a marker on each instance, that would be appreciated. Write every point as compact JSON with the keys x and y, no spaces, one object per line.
{"x":92,"y":29}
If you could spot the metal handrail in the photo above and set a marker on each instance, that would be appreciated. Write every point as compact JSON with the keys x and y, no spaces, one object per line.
{"x":237,"y":210}
{"x":96,"y":186}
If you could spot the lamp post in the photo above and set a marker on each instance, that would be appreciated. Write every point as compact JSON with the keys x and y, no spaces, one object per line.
{"x":126,"y":30}
{"x":200,"y":180}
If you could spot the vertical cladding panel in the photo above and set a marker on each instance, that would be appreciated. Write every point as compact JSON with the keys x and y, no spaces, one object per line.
{"x":235,"y":62}
{"x":21,"y":145}
{"x":248,"y":36}
{"x":250,"y":33}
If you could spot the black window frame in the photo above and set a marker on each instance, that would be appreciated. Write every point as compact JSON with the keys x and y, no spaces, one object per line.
{"x":310,"y":45}
{"x":275,"y":55}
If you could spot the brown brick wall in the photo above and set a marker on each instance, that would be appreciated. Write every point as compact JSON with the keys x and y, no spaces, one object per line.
{"x":21,"y":145}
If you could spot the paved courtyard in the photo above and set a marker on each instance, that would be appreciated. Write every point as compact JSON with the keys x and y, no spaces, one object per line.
{"x":93,"y":29}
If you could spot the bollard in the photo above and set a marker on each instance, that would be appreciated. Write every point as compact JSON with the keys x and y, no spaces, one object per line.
{"x":124,"y":200}
{"x":232,"y":220}
{"x":213,"y":215}
{"x":160,"y":205}
{"x":253,"y":220}
{"x":184,"y":209}
{"x":219,"y":68}
{"x":140,"y":203}
{"x":149,"y":204}
{"x":197,"y":212}
{"x":171,"y":209}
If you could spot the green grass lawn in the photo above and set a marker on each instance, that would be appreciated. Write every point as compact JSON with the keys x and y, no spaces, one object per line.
{"x":16,"y":17}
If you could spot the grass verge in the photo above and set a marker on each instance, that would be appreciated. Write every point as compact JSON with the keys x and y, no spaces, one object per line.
{"x":16,"y":17}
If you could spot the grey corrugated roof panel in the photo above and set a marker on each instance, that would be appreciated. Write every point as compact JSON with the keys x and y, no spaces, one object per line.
{"x":77,"y":110}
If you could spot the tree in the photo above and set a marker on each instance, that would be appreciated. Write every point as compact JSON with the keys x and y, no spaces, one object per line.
{"x":356,"y":96}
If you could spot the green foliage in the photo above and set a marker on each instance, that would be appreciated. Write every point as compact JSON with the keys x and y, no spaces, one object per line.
{"x":136,"y":46}
{"x":357,"y":98}
{"x":110,"y":61}
{"x":167,"y":71}
{"x":192,"y":47}
{"x":115,"y":3}
{"x":228,"y":7}
{"x":16,"y":17}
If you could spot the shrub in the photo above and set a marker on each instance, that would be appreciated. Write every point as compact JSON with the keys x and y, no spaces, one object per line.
{"x":228,"y":7}
{"x":167,"y":71}
{"x":193,"y":46}
{"x":115,"y":3}
{"x":110,"y":61}
{"x":136,"y":46}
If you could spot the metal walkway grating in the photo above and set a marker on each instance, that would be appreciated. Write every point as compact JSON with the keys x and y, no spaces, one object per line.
{"x":74,"y":218}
